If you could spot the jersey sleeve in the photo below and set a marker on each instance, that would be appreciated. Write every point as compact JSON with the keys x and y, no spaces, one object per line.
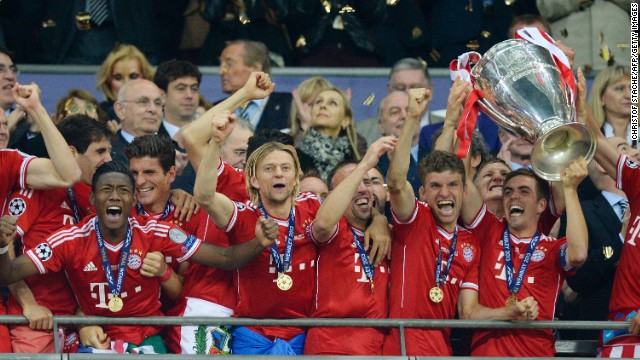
{"x":14,"y":165}
{"x":231,"y":183}
{"x":471,"y":278}
{"x":50,"y":255}
{"x":242,"y":224}
{"x":172,"y":241}
{"x":483,"y":224}
{"x":25,"y":204}
{"x":628,"y":178}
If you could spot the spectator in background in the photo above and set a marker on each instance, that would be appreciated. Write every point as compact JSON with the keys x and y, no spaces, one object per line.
{"x":311,"y":182}
{"x":238,"y":60}
{"x":8,"y":76}
{"x":78,"y":101}
{"x":596,"y":28}
{"x":4,"y":131}
{"x":332,"y":137}
{"x":610,"y":102}
{"x":234,"y":149}
{"x":139,"y":108}
{"x":303,"y":96}
{"x":124,"y":63}
{"x":334,"y":33}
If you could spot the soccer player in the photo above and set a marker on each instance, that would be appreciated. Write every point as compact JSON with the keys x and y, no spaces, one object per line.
{"x":197,"y":290}
{"x":349,"y":283}
{"x":434,"y":264}
{"x":271,"y":286}
{"x":40,"y":213}
{"x":86,"y":252}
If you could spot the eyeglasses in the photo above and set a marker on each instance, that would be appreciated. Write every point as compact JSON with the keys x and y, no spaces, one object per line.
{"x":4,"y":69}
{"x":76,"y":109}
{"x":146,"y":102}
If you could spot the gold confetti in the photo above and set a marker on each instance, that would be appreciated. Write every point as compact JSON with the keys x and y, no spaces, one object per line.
{"x":301,"y":42}
{"x":392,"y":2}
{"x":244,"y":20}
{"x":369,"y":100}
{"x":607,"y":251}
{"x":347,"y":9}
{"x":327,"y":6}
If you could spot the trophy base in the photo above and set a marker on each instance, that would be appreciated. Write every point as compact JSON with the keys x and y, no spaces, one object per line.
{"x":559,"y":146}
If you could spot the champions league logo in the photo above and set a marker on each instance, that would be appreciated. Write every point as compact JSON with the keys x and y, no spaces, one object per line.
{"x":44,"y":251}
{"x":632,"y":164}
{"x":17,"y":206}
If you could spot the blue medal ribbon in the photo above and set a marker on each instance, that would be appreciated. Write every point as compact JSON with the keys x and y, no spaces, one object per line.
{"x":364,"y":259}
{"x":114,"y":286}
{"x":452,"y":251}
{"x":167,"y":209}
{"x":282,"y":266}
{"x":515,"y":284}
{"x":71,"y":194}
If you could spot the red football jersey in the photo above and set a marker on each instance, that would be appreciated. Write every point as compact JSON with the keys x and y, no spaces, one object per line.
{"x":625,"y":296}
{"x":40,"y":214}
{"x":344,"y":291}
{"x":231,"y":182}
{"x":414,"y":257}
{"x":75,"y":250}
{"x":14,"y":171}
{"x":543,"y":280}
{"x":258,"y":295}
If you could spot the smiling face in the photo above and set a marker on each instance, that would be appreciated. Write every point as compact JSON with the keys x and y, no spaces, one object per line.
{"x":490,"y":179}
{"x":328,"y":115}
{"x":443,"y":191}
{"x":616,"y":98}
{"x":113,"y":198}
{"x":153,"y":185}
{"x":522,"y":208}
{"x":276,"y":178}
{"x":359,"y":211}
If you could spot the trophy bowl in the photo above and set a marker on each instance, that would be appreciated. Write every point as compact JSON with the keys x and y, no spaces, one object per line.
{"x":525,"y":94}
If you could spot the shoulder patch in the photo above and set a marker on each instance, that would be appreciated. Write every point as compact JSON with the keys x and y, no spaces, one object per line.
{"x":630,"y":163}
{"x":17,"y":206}
{"x":177,"y":236}
{"x":43,"y":251}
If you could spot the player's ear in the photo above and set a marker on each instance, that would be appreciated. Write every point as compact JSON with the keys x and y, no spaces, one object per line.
{"x":92,"y":198}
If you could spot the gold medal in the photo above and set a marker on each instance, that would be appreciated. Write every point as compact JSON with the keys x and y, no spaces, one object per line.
{"x":436,"y":295}
{"x":285,"y":282}
{"x":511,"y":300}
{"x":115,"y":304}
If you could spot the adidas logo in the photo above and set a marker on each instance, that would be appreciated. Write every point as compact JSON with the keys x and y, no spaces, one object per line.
{"x":65,"y":206}
{"x":90,"y":267}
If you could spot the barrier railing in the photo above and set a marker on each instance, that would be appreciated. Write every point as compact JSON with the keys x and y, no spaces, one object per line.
{"x":401,"y":324}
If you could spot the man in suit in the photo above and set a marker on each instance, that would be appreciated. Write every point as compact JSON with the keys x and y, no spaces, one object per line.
{"x":139,"y":107}
{"x":237,"y":61}
{"x":392,"y":113}
{"x":586,"y":294}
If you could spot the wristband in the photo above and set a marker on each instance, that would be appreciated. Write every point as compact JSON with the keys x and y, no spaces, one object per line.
{"x":166,"y":275}
{"x":4,"y":249}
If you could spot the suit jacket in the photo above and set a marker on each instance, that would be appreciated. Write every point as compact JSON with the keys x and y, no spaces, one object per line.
{"x":276,"y":112}
{"x":594,"y":280}
{"x":118,"y":143}
{"x":413,"y":176}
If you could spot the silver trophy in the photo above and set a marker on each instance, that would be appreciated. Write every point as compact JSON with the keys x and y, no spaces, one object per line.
{"x":526,"y":95}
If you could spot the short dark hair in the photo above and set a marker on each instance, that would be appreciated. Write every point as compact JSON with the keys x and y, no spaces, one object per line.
{"x":111,"y":167}
{"x":440,"y":161}
{"x":154,"y":146}
{"x":527,"y":19}
{"x":80,"y":131}
{"x":171,"y":70}
{"x":543,"y":190}
{"x":335,"y":169}
{"x":264,"y":136}
{"x":490,"y":160}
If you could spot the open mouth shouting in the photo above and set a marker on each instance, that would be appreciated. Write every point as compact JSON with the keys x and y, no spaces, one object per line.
{"x":362,"y":203}
{"x":516,"y":210}
{"x":446,"y":207}
{"x":114,"y":213}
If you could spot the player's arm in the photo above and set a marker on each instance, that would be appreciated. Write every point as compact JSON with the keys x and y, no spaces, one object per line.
{"x":337,"y":202}
{"x":40,"y":318}
{"x":185,"y":204}
{"x":606,"y":154}
{"x":470,"y":309}
{"x":19,"y":268}
{"x":154,"y":265}
{"x":196,"y":135}
{"x":61,"y":170}
{"x":400,"y":190}
{"x":378,"y":234}
{"x":216,"y":204}
{"x":577,"y":232}
{"x":237,"y":256}
{"x":455,"y":104}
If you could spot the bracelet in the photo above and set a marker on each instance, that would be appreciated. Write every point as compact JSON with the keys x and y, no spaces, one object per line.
{"x":4,"y":249}
{"x":166,"y":275}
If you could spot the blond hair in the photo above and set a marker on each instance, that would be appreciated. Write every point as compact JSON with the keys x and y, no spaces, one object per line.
{"x":307,"y":91}
{"x":608,"y":76}
{"x":120,"y":52}
{"x":350,"y":129}
{"x":256,"y":157}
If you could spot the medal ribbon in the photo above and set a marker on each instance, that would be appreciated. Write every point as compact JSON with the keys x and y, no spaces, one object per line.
{"x":282,"y":266}
{"x":368,"y":268}
{"x":114,"y":286}
{"x":452,"y":250}
{"x":167,"y":209}
{"x":74,"y":204}
{"x":514,"y":285}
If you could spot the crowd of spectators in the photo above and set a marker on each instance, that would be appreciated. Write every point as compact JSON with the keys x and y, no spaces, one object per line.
{"x":269,"y":204}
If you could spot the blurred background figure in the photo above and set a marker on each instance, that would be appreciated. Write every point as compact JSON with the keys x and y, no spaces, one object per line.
{"x":610,"y":102}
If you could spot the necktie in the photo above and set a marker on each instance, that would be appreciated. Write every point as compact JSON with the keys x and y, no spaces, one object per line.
{"x":623,"y":204}
{"x":99,"y":11}
{"x":245,"y":111}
